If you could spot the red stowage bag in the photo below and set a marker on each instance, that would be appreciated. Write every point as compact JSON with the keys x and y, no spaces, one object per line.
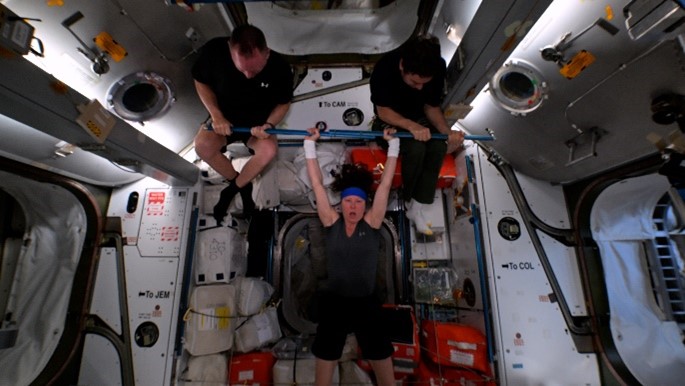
{"x":429,"y":374}
{"x":251,"y":369}
{"x":404,"y":334}
{"x":454,"y":344}
{"x":448,"y":172}
{"x":374,"y":159}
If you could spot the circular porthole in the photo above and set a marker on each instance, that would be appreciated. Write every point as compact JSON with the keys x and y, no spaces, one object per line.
{"x":141,"y":96}
{"x":518,"y":87}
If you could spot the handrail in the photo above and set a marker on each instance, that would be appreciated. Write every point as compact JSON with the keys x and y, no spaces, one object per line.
{"x":353,"y":134}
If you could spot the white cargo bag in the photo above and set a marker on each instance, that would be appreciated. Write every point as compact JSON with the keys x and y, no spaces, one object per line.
{"x":293,"y":191}
{"x":210,"y":197}
{"x":258,"y":331}
{"x":206,"y":370}
{"x":330,"y":157}
{"x":222,"y":255}
{"x":210,"y":319}
{"x":252,"y":294}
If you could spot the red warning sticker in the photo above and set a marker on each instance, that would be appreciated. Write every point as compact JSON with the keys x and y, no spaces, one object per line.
{"x":169,"y":234}
{"x":155,"y":203}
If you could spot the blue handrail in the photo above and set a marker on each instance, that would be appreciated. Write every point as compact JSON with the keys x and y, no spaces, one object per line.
{"x":354,"y":134}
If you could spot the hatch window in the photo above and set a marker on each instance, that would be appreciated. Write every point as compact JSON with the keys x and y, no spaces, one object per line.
{"x":141,"y":96}
{"x":518,"y":87}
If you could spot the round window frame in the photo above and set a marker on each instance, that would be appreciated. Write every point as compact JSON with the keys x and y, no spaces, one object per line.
{"x":165,"y":96}
{"x":519,"y":106}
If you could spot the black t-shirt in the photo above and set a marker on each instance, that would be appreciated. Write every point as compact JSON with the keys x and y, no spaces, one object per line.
{"x":389,"y":90}
{"x":244,"y":102}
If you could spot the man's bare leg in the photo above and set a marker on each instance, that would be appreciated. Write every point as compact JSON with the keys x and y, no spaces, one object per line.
{"x":264,"y":152}
{"x":208,"y":146}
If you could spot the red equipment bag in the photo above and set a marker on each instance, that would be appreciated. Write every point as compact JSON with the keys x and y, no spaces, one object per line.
{"x":251,"y":369}
{"x":453,"y":344}
{"x":374,"y":159}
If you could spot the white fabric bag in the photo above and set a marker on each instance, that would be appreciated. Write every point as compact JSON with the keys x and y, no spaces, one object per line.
{"x":210,"y":321}
{"x":258,"y":331}
{"x":206,"y":370}
{"x":222,"y":255}
{"x":252,"y":294}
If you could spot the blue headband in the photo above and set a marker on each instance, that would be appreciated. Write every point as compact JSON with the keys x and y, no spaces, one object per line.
{"x":353,"y":191}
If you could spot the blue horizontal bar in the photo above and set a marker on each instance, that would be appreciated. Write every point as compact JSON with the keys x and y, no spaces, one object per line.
{"x":354,"y":134}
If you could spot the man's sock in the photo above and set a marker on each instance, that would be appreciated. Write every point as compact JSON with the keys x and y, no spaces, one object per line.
{"x":246,"y":196}
{"x":415,"y":214}
{"x":411,"y":211}
{"x":423,"y":225}
{"x":225,"y":198}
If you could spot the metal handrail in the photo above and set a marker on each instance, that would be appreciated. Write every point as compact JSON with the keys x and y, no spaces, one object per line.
{"x":353,"y":134}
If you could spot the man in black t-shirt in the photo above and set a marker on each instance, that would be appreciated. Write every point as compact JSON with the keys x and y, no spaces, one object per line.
{"x":242,"y":83}
{"x":406,"y":91}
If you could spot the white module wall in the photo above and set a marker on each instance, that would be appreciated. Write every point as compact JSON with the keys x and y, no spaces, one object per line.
{"x":532,"y":342}
{"x":463,"y":247}
{"x":338,"y":107}
{"x":433,"y":247}
{"x":155,"y":222}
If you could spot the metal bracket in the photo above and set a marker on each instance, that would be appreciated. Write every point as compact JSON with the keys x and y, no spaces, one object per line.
{"x":584,"y":145}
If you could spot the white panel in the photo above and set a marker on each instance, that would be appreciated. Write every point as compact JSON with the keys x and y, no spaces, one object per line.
{"x":318,"y":79}
{"x":161,"y":225}
{"x":105,"y":303}
{"x":464,"y":260}
{"x":100,"y":363}
{"x":305,"y":32}
{"x":565,"y":266}
{"x":118,"y":207}
{"x":531,"y":334}
{"x":330,"y":109}
{"x":154,"y":282}
{"x":151,"y":284}
{"x":435,"y":247}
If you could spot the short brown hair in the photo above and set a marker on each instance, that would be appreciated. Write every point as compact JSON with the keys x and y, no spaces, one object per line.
{"x":246,"y":38}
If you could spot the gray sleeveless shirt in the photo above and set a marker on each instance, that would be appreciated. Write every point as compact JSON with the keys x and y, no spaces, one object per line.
{"x":352,"y":261}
